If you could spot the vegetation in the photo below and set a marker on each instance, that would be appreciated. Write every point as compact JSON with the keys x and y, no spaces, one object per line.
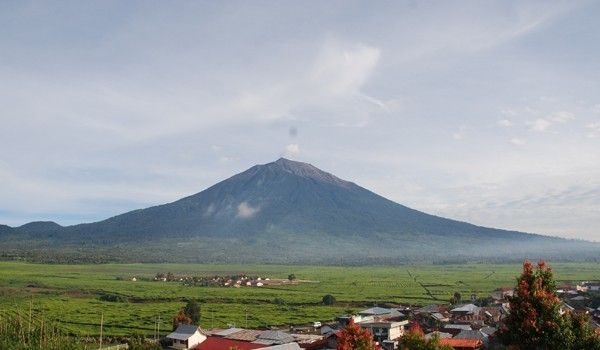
{"x":414,"y":339}
{"x":192,"y":310}
{"x":28,"y":331}
{"x":536,"y":321}
{"x":328,"y":299}
{"x":71,"y":293}
{"x":181,"y":318}
{"x":456,"y":298}
{"x":353,"y":337}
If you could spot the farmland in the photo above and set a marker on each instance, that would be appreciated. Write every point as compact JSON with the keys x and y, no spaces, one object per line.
{"x":71,"y":294}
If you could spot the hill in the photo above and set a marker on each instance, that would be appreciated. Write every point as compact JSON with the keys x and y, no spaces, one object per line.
{"x":287,"y":211}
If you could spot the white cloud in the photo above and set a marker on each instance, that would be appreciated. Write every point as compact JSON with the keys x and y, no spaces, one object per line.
{"x":542,"y":124}
{"x":562,"y":117}
{"x":343,"y":70}
{"x":539,"y":124}
{"x":517,"y":141}
{"x":596,"y":108}
{"x":246,"y":211}
{"x":505,"y":123}
{"x":292,"y":150}
{"x":594,"y":129}
{"x":331,"y":84}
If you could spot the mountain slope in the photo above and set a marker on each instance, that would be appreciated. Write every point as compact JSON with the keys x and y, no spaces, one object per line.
{"x":290,"y":211}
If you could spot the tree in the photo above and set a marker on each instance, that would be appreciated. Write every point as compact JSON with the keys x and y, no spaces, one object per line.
{"x":414,"y":339}
{"x":181,"y":318}
{"x":456,"y":298}
{"x":291,"y":277}
{"x":192,"y":310}
{"x":583,"y":335}
{"x":535,"y":320}
{"x":328,"y":299}
{"x":355,"y":338}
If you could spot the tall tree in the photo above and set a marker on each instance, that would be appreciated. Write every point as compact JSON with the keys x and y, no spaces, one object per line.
{"x":355,"y":338}
{"x":192,"y":310}
{"x":535,"y":320}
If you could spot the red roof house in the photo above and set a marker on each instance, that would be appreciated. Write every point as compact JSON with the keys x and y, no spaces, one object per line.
{"x":218,"y":343}
{"x":462,"y":344}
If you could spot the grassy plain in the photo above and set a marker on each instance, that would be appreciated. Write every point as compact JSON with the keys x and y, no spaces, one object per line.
{"x":70,"y":293}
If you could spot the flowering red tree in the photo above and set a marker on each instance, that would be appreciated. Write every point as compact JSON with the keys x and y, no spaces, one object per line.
{"x":355,"y":338}
{"x":181,"y":318}
{"x":535,"y":320}
{"x":414,"y":339}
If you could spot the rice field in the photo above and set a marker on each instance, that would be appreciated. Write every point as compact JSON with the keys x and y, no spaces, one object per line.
{"x":70,"y":294}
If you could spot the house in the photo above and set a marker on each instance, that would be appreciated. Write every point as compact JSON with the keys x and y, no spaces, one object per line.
{"x":274,"y":338}
{"x":440,"y":335}
{"x":385,"y":330}
{"x":288,"y":346}
{"x":228,"y":331}
{"x":467,"y":309}
{"x":332,"y":339}
{"x":186,"y":336}
{"x":593,"y":287}
{"x":249,"y":335}
{"x":462,"y":344}
{"x":432,"y":316}
{"x":564,"y":307}
{"x":375,"y":311}
{"x":429,"y":309}
{"x":501,"y":294}
{"x":481,"y":317}
{"x":220,"y":343}
{"x":456,"y":328}
{"x":489,"y":331}
{"x":309,"y":341}
{"x":328,"y":328}
{"x":344,"y":320}
{"x":472,"y":334}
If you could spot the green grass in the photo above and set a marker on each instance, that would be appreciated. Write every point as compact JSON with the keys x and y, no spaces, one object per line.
{"x":69,"y":293}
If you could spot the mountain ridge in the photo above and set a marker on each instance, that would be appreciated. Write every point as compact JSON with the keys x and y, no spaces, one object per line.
{"x":299,"y":209}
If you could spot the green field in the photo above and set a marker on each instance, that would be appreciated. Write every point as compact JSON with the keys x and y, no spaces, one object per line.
{"x":70,"y":293}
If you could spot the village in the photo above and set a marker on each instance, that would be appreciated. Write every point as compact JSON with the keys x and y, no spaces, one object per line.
{"x":235,"y":281}
{"x":461,"y":324}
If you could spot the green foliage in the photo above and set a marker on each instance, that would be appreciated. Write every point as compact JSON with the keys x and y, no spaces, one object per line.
{"x":18,"y":331}
{"x":291,"y":277}
{"x":192,"y":310}
{"x":415,"y":340}
{"x":139,"y":343}
{"x":112,"y":298}
{"x":328,"y":299}
{"x":456,"y":298}
{"x":535,"y":320}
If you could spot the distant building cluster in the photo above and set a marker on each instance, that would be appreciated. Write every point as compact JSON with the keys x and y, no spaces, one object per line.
{"x":235,"y":281}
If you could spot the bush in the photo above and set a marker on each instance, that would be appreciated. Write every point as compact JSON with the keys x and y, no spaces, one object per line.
{"x":113,"y":298}
{"x":328,"y":299}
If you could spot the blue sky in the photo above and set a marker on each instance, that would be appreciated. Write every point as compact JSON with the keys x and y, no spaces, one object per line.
{"x":487,"y":112}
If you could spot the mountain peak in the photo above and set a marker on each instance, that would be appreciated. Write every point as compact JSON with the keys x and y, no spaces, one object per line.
{"x":305,"y":170}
